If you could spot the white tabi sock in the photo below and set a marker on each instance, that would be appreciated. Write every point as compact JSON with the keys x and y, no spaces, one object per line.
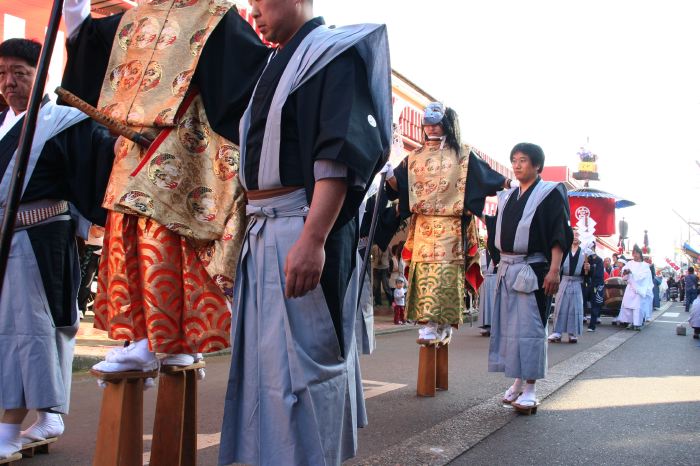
{"x":514,"y":390}
{"x":47,"y":425}
{"x":179,"y":360}
{"x":137,"y":351}
{"x":528,"y":398}
{"x":9,"y":439}
{"x":135,"y":357}
{"x":428,"y":331}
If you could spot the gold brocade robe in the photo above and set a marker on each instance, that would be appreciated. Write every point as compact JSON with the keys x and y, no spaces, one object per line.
{"x":177,"y":210}
{"x":437,"y":182}
{"x":188,"y":179}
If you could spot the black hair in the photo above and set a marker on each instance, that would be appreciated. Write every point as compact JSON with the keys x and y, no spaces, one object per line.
{"x":636,"y":248}
{"x":533,"y":152}
{"x":691,"y":270}
{"x":24,"y":49}
{"x":450,"y":126}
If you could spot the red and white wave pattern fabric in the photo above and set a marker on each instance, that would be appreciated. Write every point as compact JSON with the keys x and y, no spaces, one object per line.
{"x":151,"y":284}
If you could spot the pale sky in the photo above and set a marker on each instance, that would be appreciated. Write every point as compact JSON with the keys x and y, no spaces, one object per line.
{"x":626,"y":74}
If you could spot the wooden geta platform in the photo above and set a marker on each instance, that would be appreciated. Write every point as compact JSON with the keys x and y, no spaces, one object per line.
{"x":433,"y":365}
{"x":120,"y":432}
{"x":39,"y":447}
{"x":175,"y":428}
{"x":12,"y":460}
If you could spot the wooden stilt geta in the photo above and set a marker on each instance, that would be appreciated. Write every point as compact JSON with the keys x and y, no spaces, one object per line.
{"x":12,"y":460}
{"x":175,"y":428}
{"x":39,"y":447}
{"x":426,"y":370}
{"x":432,"y":367}
{"x":120,"y":431}
{"x":442,"y":362}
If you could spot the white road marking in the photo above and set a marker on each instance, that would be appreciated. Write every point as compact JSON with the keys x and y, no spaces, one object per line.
{"x":670,"y":321}
{"x":671,"y":314}
{"x":371,"y":389}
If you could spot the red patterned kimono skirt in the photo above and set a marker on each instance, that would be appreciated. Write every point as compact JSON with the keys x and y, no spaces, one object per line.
{"x":153,"y":285}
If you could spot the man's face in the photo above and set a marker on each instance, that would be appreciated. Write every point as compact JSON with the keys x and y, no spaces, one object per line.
{"x":606,"y":262}
{"x":523,"y":168}
{"x":16,"y":78}
{"x":276,"y":19}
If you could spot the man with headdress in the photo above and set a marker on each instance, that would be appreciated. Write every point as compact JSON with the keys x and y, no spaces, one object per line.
{"x":181,"y":73}
{"x":533,"y":235}
{"x":441,"y":187}
{"x":69,"y":163}
{"x":317,"y":129}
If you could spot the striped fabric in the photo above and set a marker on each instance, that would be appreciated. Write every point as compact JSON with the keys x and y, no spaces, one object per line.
{"x":32,"y":216}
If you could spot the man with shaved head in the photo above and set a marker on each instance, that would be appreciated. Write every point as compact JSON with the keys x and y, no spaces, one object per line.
{"x":315,"y":132}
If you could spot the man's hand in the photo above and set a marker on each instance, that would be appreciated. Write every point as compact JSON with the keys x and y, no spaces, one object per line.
{"x":307,"y":256}
{"x":303,"y":266}
{"x":551,"y":282}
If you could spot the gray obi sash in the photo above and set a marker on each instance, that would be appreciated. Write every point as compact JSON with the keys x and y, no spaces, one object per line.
{"x":293,"y":204}
{"x":566,"y":279}
{"x":526,"y":281}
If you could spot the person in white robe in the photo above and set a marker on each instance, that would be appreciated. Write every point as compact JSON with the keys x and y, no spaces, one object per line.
{"x":639,"y":289}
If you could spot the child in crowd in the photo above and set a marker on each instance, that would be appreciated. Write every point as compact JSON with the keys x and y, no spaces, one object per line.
{"x":399,"y":302}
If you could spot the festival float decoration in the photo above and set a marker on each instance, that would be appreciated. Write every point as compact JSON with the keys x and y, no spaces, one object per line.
{"x":593,"y":210}
{"x":587,"y":167}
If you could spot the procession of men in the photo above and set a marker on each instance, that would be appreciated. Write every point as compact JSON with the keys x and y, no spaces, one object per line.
{"x":236,"y":226}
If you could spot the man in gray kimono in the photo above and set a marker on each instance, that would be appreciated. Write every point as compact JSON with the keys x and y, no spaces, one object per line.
{"x":70,"y":161}
{"x":317,"y":129}
{"x":532,"y":234}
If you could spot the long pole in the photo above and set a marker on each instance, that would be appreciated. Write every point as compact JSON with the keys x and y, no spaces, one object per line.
{"x":370,"y":238}
{"x":687,"y":223}
{"x":27,"y":138}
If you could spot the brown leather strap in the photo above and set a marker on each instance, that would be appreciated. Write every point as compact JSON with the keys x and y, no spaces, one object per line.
{"x":268,"y":193}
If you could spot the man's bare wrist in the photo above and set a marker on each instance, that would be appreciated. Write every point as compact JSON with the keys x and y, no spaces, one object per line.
{"x":314,"y":236}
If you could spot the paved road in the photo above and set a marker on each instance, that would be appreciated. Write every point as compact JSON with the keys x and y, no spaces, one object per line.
{"x":640,"y":405}
{"x":395,"y":412}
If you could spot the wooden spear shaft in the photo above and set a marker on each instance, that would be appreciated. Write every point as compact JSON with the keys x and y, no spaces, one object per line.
{"x":112,"y":124}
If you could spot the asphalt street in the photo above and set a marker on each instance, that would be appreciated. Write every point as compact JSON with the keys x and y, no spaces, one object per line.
{"x":640,"y":405}
{"x":396,"y":414}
